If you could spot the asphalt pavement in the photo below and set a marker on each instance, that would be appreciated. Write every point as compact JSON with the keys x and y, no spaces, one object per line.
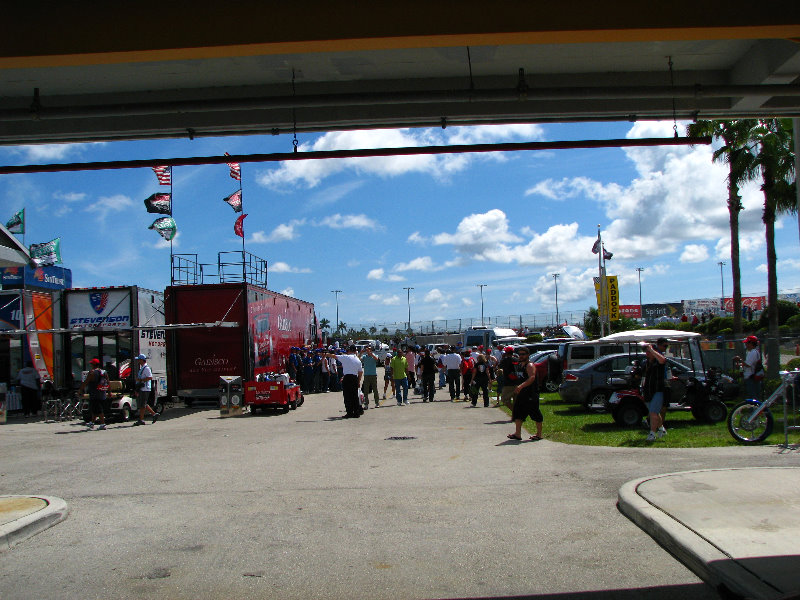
{"x":419,"y":501}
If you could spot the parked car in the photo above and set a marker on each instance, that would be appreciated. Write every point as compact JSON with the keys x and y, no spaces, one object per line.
{"x":378,"y":348}
{"x":593,"y":383}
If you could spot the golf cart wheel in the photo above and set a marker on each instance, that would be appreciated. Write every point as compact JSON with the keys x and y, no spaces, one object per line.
{"x":714,"y":411}
{"x":125,"y":413}
{"x":627,"y":415}
{"x":597,"y":401}
{"x":749,"y":433}
{"x":551,"y":386}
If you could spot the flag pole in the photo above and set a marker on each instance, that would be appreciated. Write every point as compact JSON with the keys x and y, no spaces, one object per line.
{"x":602,"y":282}
{"x":171,"y":203}
{"x":241,"y":195}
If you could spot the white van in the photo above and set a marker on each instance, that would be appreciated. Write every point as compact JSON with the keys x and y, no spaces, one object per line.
{"x":575,"y":354}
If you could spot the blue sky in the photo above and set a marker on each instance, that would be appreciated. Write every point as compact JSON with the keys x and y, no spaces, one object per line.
{"x":439,"y":224}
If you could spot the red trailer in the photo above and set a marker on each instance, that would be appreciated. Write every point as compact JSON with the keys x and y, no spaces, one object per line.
{"x":267,"y":326}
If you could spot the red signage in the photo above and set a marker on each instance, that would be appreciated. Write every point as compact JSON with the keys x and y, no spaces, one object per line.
{"x":630,"y":311}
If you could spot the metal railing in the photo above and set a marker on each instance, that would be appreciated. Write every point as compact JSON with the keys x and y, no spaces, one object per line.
{"x":231,"y":267}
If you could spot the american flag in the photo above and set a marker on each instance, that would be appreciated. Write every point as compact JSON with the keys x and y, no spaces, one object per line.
{"x":164,"y":175}
{"x":236,"y":170}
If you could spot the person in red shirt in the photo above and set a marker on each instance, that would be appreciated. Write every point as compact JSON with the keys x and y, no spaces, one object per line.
{"x":466,"y":373}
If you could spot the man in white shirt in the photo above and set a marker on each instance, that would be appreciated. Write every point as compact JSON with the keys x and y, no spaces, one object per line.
{"x":752,"y":369}
{"x":452,"y":363}
{"x":352,"y":371}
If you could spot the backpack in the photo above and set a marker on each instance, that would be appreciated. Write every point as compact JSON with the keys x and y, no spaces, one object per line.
{"x":102,"y":382}
{"x":758,"y":371}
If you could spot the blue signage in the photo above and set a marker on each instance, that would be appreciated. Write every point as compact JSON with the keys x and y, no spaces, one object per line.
{"x":50,"y":278}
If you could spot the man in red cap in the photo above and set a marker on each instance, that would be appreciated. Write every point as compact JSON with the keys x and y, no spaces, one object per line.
{"x":752,"y":368}
{"x":97,"y":383}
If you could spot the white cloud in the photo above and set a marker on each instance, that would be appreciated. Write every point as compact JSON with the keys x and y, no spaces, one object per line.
{"x":694,"y":253}
{"x":284,"y":232}
{"x":282,"y":267}
{"x":288,"y":292}
{"x":69,"y":196}
{"x":381,"y":275}
{"x":385,"y":300}
{"x":423,"y":263}
{"x":416,"y":238}
{"x":338,"y":221}
{"x":109,"y":204}
{"x":47,"y":152}
{"x":310,"y":173}
{"x":467,"y":302}
{"x":434,"y":295}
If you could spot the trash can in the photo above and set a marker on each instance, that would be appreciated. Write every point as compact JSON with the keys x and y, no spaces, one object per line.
{"x":230,"y":396}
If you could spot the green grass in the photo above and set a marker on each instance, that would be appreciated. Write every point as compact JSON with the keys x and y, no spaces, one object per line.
{"x":572,"y":424}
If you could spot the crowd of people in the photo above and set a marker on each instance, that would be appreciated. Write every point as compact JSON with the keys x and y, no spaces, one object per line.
{"x":468,"y":374}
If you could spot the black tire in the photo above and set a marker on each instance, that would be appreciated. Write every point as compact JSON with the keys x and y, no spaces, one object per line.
{"x":125,"y":413}
{"x":300,"y":400}
{"x":714,"y":411}
{"x":749,"y":433}
{"x":285,"y":409}
{"x":253,"y":409}
{"x":627,"y":414}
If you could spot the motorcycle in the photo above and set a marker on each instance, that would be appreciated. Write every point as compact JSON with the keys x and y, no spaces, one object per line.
{"x":751,"y":421}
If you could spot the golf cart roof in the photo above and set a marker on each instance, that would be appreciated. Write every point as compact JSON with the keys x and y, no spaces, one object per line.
{"x":650,"y":335}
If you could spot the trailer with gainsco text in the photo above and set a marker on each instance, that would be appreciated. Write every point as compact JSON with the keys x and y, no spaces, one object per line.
{"x":261,"y":327}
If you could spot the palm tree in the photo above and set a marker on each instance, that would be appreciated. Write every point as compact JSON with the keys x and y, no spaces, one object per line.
{"x":735,"y":153}
{"x":324,"y":324}
{"x":772,"y":139}
{"x":342,"y":327}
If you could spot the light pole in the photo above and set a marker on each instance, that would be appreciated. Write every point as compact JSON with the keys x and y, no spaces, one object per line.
{"x":555,"y":279}
{"x":408,"y":295}
{"x":722,"y":289}
{"x":481,"y":285}
{"x":337,"y":292}
{"x":639,"y":272}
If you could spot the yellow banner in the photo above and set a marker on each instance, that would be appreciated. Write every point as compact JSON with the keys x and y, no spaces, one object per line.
{"x":613,"y":297}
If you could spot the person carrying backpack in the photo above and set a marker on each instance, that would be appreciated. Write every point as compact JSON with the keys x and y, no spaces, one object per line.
{"x":97,"y":384}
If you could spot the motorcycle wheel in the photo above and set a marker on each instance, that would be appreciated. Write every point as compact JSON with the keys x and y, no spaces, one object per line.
{"x":749,"y":433}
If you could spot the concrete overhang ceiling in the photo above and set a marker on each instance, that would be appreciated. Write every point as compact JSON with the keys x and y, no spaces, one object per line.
{"x":89,"y":72}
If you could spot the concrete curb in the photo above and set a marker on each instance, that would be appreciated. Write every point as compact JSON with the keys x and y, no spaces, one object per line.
{"x":14,"y":532}
{"x":703,"y":558}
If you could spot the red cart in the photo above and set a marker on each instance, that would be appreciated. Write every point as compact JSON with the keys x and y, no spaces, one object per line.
{"x":266,"y":395}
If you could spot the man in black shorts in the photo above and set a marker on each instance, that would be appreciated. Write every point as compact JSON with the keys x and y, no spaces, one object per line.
{"x":97,"y":397}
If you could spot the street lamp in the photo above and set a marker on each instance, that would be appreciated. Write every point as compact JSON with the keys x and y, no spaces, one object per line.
{"x":337,"y":292}
{"x":408,"y":294}
{"x":555,"y":279}
{"x":722,"y":289}
{"x":482,"y":285}
{"x":639,"y":272}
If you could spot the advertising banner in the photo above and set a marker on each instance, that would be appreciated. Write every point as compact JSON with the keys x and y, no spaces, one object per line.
{"x":102,"y":308}
{"x":53,"y":278}
{"x":10,"y":311}
{"x":613,"y":298}
{"x":611,"y":294}
{"x":673,"y":310}
{"x":630,"y":311}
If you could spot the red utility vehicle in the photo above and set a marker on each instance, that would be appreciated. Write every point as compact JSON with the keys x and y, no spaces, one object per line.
{"x":272,"y":395}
